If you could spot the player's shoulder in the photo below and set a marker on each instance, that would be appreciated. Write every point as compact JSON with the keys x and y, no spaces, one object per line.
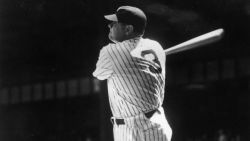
{"x":151,"y":42}
{"x":115,"y":47}
{"x":110,"y":46}
{"x":109,"y":49}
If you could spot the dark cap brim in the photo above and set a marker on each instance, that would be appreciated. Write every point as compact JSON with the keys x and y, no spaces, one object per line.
{"x":111,"y":17}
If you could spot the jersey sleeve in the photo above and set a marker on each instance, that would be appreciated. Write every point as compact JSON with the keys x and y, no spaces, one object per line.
{"x":103,"y":66}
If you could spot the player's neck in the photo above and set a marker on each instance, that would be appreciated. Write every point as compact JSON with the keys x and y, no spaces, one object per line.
{"x":131,"y":36}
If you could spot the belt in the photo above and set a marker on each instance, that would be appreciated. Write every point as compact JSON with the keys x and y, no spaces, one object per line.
{"x":117,"y":121}
{"x":120,"y":121}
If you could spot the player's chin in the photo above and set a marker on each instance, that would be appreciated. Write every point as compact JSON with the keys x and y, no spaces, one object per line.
{"x":111,"y":38}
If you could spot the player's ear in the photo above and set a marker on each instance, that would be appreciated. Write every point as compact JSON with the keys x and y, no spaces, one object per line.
{"x":129,"y":29}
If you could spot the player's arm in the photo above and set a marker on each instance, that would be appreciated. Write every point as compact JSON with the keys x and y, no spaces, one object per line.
{"x":103,"y":66}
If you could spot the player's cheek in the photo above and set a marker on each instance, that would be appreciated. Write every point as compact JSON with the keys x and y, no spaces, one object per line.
{"x":110,"y":32}
{"x":114,"y":33}
{"x":110,"y":35}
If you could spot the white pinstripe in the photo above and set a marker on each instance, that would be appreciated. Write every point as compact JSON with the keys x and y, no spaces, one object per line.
{"x":136,"y":84}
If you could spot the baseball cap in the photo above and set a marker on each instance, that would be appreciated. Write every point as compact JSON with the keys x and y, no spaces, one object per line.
{"x":129,"y":15}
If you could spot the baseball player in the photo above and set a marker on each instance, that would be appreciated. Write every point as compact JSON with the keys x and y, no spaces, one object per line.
{"x":135,"y":71}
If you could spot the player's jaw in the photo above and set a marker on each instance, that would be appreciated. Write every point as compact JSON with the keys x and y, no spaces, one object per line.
{"x":112,"y":37}
{"x":116,"y":32}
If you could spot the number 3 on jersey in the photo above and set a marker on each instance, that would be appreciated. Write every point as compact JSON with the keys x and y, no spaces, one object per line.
{"x":151,"y":56}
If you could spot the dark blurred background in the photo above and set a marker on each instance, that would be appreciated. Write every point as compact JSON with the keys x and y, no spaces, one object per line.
{"x":48,"y":51}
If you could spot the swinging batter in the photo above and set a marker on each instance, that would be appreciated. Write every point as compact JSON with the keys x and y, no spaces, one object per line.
{"x":135,"y":71}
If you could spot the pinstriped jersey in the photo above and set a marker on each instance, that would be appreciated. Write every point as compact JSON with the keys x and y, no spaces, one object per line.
{"x":135,"y":73}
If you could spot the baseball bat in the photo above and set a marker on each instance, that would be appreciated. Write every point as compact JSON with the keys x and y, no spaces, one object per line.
{"x":199,"y":41}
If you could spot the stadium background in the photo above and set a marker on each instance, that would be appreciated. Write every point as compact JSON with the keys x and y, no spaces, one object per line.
{"x":48,"y":50}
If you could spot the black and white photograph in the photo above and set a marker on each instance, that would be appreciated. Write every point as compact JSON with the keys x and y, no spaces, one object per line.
{"x":124,"y":70}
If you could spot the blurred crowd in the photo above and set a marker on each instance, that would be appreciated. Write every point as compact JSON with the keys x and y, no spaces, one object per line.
{"x":219,"y":135}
